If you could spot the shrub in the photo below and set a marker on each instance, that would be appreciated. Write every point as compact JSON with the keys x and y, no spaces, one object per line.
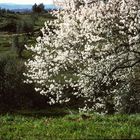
{"x":14,"y":93}
{"x":9,"y":25}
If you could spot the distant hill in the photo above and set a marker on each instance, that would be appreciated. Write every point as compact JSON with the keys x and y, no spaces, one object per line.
{"x":23,"y":7}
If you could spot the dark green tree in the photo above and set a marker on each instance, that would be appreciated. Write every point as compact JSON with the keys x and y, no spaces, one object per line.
{"x":34,"y":7}
{"x":41,"y":8}
{"x":38,"y":8}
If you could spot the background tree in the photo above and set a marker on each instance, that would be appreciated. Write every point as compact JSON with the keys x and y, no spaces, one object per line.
{"x":38,"y":8}
{"x":41,"y":8}
{"x":34,"y":7}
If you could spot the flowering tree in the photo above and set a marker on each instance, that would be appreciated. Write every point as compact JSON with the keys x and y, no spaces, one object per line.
{"x":92,"y":49}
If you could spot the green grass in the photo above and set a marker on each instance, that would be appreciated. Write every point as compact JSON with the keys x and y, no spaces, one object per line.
{"x":18,"y":127}
{"x":5,"y":41}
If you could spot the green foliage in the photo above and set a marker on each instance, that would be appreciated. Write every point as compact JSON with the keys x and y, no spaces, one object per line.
{"x":26,"y":24}
{"x":11,"y":81}
{"x":18,"y":44}
{"x":14,"y":93}
{"x":10,"y":73}
{"x":73,"y":127}
{"x":8,"y":25}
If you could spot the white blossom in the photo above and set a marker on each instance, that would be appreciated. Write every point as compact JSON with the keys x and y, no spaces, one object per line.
{"x":92,"y":49}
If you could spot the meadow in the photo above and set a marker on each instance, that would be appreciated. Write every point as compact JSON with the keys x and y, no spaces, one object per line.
{"x":34,"y":126}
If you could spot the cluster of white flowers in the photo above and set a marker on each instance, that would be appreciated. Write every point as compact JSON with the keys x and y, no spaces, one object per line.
{"x":92,"y":49}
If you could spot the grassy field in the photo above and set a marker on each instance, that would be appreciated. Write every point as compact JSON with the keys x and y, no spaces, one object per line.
{"x":6,"y":37}
{"x":38,"y":127}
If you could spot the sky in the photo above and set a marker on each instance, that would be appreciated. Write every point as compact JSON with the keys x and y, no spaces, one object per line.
{"x":27,"y":1}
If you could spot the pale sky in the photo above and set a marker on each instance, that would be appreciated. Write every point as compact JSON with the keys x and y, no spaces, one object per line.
{"x":27,"y":1}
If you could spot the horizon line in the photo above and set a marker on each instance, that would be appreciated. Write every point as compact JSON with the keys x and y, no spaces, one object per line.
{"x":13,"y":3}
{"x":26,"y":3}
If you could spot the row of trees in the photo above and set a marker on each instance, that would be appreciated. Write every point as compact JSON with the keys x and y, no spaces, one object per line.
{"x":94,"y":50}
{"x":5,"y":11}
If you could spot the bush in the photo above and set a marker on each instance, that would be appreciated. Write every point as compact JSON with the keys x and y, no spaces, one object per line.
{"x":14,"y":93}
{"x":9,"y":25}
